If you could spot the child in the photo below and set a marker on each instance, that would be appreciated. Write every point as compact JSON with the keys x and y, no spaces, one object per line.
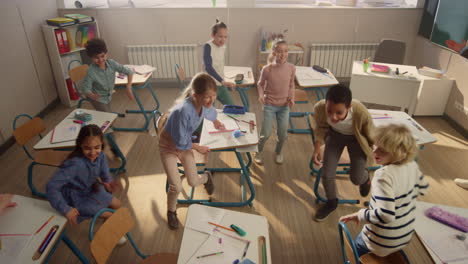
{"x":100,"y":80}
{"x":75,"y":190}
{"x":276,"y":94}
{"x":342,"y":122}
{"x":175,"y":142}
{"x":390,"y":217}
{"x":213,"y":60}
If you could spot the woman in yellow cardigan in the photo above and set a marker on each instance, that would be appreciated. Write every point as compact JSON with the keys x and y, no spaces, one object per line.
{"x":342,"y":122}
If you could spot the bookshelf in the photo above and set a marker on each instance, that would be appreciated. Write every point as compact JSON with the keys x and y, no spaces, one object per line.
{"x":61,"y":56}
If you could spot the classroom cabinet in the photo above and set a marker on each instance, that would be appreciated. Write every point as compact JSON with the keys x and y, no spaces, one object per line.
{"x":66,"y":46}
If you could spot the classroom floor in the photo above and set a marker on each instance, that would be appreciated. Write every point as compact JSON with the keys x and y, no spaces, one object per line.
{"x":284,"y":193}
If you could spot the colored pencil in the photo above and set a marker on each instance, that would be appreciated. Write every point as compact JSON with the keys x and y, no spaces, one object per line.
{"x":212,"y":254}
{"x":382,"y":117}
{"x":46,"y":222}
{"x":223,"y":227}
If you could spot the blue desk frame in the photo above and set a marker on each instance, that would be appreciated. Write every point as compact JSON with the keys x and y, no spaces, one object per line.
{"x":320,"y":94}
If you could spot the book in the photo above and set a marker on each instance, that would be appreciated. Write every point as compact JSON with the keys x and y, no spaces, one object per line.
{"x":380,"y":68}
{"x":60,"y":21}
{"x":80,"y":18}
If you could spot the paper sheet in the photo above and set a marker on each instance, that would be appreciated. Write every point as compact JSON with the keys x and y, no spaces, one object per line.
{"x":141,"y":69}
{"x":232,"y":249}
{"x":12,"y":246}
{"x":201,"y":222}
{"x":229,"y":124}
{"x":65,"y":132}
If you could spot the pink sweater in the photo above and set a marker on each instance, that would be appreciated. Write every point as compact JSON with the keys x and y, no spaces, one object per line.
{"x":276,"y":83}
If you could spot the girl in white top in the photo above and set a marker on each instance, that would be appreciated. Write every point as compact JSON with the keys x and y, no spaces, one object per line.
{"x":389,"y":220}
{"x":213,"y":61}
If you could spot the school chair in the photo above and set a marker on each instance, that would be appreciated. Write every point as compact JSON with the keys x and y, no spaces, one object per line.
{"x":181,"y":77}
{"x":350,"y":255}
{"x":110,"y":232}
{"x":23,"y":135}
{"x":390,"y":51}
{"x":300,"y":97}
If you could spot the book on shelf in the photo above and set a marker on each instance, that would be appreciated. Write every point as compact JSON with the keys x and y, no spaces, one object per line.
{"x":60,"y":21}
{"x":62,"y":39}
{"x":80,"y":18}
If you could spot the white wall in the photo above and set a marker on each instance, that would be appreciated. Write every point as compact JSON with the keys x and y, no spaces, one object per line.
{"x":27,"y":84}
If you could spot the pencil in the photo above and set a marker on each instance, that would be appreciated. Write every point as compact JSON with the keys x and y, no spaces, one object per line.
{"x":46,"y":222}
{"x":212,"y":254}
{"x":223,"y":227}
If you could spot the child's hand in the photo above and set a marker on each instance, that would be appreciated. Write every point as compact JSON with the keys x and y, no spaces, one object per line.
{"x":130,"y":93}
{"x":218,"y":125}
{"x":261,"y":100}
{"x":5,"y":201}
{"x":351,"y":217}
{"x":201,"y":149}
{"x":229,"y":85}
{"x":93,"y":96}
{"x":111,"y":186}
{"x":317,"y":157}
{"x":291,"y":103}
{"x":72,"y":216}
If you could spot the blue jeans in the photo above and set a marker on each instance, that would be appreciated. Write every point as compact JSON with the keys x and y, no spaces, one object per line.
{"x":282,"y":117}
{"x":361,"y":245}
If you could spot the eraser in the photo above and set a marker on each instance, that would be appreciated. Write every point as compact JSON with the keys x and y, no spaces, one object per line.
{"x":238,"y":230}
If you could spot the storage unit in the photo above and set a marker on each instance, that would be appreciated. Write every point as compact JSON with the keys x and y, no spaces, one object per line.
{"x":66,"y":50}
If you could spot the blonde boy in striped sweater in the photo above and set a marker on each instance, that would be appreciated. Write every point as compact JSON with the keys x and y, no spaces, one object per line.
{"x":389,"y":220}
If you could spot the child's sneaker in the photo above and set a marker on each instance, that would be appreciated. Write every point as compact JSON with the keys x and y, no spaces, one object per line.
{"x":325,"y":210}
{"x":279,"y":158}
{"x":259,"y":158}
{"x":364,"y":188}
{"x":122,"y":241}
{"x":209,"y":185}
{"x":172,"y":220}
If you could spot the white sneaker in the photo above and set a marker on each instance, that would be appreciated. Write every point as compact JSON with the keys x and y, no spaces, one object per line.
{"x":462,"y":183}
{"x":279,"y":158}
{"x":259,"y":158}
{"x":122,"y":241}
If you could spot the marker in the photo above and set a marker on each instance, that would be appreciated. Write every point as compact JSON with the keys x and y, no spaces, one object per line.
{"x":223,"y":227}
{"x":414,"y":124}
{"x":212,"y":254}
{"x":238,"y":230}
{"x":105,"y":125}
{"x":46,"y":222}
{"x":245,"y":250}
{"x":78,"y":122}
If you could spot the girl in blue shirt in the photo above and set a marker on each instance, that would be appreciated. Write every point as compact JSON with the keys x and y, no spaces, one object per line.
{"x":80,"y":188}
{"x":175,"y":141}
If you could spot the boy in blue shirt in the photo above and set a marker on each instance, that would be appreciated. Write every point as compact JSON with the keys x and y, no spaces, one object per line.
{"x":100,"y":80}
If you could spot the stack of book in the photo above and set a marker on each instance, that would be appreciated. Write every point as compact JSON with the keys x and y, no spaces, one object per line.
{"x":78,"y":18}
{"x":60,"y":22}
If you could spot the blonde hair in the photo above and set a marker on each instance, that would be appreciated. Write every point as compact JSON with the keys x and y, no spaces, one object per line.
{"x":200,"y":83}
{"x":397,"y":141}
{"x":271,"y":58}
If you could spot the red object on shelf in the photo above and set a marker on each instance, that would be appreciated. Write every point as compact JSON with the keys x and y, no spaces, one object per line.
{"x":71,"y":90}
{"x":60,"y":43}
{"x":65,"y":40}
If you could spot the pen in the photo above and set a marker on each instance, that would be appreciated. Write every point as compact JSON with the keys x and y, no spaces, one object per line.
{"x":414,"y":124}
{"x":47,"y":239}
{"x":212,"y":254}
{"x":46,"y":222}
{"x":104,"y":126}
{"x":245,"y":250}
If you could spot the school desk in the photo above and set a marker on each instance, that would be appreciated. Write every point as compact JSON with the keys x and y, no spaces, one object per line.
{"x":440,"y":238}
{"x":255,"y":226}
{"x":309,"y":79}
{"x":230,"y":73}
{"x":99,"y":119}
{"x":139,"y":82}
{"x":225,"y":141}
{"x":386,"y":88}
{"x":27,"y":217}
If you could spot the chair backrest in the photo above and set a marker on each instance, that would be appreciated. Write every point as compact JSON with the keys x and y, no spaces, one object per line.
{"x":180,"y":74}
{"x":348,"y":248}
{"x":78,"y":73}
{"x":390,"y":51}
{"x":109,"y":234}
{"x":32,"y":128}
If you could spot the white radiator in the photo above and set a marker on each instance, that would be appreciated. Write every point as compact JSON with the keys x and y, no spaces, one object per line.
{"x":339,"y":57}
{"x":164,"y":57}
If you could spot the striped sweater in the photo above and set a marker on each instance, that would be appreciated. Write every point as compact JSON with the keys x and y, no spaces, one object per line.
{"x":390,"y":216}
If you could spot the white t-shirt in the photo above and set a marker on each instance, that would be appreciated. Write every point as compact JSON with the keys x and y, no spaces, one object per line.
{"x":345,"y":126}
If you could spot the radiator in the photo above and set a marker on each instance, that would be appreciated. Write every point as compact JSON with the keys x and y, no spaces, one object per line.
{"x":164,"y":57}
{"x":339,"y":57}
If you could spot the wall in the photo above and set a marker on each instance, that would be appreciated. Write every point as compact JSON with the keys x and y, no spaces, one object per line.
{"x":456,"y":67}
{"x":121,"y":27}
{"x":27,"y":81}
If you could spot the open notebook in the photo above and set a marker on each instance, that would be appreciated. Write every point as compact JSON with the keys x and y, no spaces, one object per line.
{"x":65,"y":132}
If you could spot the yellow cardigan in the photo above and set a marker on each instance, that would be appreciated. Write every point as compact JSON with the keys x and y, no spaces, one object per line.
{"x":362,"y":126}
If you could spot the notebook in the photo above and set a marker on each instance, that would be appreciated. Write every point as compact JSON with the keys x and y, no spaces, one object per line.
{"x":60,"y":21}
{"x":80,"y":18}
{"x":65,"y":132}
{"x":380,"y":68}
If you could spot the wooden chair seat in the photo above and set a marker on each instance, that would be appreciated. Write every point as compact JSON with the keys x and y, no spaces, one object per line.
{"x":300,"y":96}
{"x":161,"y":258}
{"x":51,"y":157}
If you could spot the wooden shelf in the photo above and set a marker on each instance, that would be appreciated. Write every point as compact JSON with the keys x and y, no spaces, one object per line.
{"x":72,"y":51}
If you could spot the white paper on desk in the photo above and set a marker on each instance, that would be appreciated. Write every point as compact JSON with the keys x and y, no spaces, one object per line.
{"x":232,"y":249}
{"x":65,"y":132}
{"x":229,"y":124}
{"x":141,"y":69}
{"x":312,"y":75}
{"x":12,"y":247}
{"x":447,"y":247}
{"x":200,"y":223}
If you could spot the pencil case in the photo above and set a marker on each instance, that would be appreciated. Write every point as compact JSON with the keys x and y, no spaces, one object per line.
{"x":239,"y":78}
{"x":234,"y":109}
{"x":82,"y":116}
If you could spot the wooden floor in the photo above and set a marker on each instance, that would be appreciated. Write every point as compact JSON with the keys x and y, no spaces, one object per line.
{"x":284,"y":193}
